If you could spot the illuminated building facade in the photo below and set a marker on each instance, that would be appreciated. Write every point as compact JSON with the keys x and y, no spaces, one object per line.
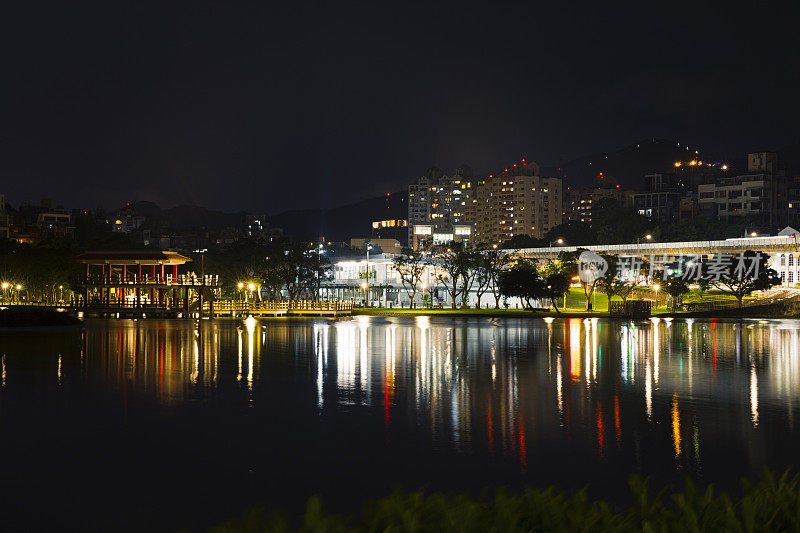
{"x":578,"y":203}
{"x":441,"y":201}
{"x":517,"y":202}
{"x":5,"y":219}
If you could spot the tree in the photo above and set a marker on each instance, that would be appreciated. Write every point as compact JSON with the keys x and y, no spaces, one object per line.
{"x":613,"y":283}
{"x":522,"y":281}
{"x":704,"y":284}
{"x":556,"y":284}
{"x":675,"y":287}
{"x":741,"y":275}
{"x":458,"y":264}
{"x":497,"y":262}
{"x":410,"y":268}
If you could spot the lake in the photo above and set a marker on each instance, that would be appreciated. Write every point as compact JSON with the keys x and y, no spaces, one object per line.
{"x":127,"y":425}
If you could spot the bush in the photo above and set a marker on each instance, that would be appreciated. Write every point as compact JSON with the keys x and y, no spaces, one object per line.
{"x":773,"y":504}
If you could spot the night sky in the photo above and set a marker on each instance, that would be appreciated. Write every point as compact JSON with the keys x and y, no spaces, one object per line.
{"x":266,"y":107}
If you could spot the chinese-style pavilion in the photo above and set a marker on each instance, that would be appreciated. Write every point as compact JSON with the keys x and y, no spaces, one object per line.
{"x":143,"y":280}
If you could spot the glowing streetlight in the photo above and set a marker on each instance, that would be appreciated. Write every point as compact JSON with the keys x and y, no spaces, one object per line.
{"x":240,"y":285}
{"x":655,"y":288}
{"x":560,"y":241}
{"x":754,"y":234}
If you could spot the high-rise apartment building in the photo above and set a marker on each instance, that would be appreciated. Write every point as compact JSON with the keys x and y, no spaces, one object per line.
{"x":517,"y":202}
{"x":578,"y":203}
{"x":441,"y":202}
{"x":5,"y":219}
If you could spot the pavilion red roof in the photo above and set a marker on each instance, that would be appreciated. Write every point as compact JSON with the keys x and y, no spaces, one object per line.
{"x":148,"y":257}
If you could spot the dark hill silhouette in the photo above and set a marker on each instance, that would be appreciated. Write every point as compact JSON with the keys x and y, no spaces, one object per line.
{"x":627,"y":165}
{"x":342,"y":223}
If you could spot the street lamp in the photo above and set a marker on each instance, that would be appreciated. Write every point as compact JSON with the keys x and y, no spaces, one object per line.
{"x":19,"y":288}
{"x":251,"y":287}
{"x":202,"y":252}
{"x":60,"y":293}
{"x":5,"y":287}
{"x":656,"y":287}
{"x":364,"y":288}
{"x":368,"y":245}
{"x":240,"y":286}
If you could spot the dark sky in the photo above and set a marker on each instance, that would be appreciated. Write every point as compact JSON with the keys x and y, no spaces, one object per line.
{"x":260,"y":107}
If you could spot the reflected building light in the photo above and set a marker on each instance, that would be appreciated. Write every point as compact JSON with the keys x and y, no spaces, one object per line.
{"x":648,"y":390}
{"x":196,"y":369}
{"x":595,"y":355}
{"x":239,"y":338}
{"x":3,"y":370}
{"x":623,"y":345}
{"x":549,"y":347}
{"x":559,"y":391}
{"x":676,"y":425}
{"x":362,"y":361}
{"x":493,"y":352}
{"x":587,"y":325}
{"x":575,"y":349}
{"x":346,"y":358}
{"x":321,"y":345}
{"x":59,"y":370}
{"x":753,"y":394}
{"x":656,"y":349}
{"x":250,"y":352}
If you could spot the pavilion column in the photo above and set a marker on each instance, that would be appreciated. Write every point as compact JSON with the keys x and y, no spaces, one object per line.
{"x":153,"y":278}
{"x":163,"y":279}
{"x":138,"y":273}
{"x":160,"y":296}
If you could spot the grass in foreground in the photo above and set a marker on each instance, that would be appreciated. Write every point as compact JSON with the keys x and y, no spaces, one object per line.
{"x":773,"y":504}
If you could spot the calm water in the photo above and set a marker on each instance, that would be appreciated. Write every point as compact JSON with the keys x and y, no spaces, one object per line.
{"x":166,"y":424}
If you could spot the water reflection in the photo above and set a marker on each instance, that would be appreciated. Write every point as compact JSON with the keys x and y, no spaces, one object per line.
{"x":564,"y":400}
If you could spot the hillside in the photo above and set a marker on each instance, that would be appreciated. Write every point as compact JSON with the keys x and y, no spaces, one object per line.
{"x":341,"y":223}
{"x":628,"y":165}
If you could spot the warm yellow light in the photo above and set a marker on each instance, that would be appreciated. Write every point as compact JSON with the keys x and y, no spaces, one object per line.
{"x":5,"y":285}
{"x":656,"y":287}
{"x":560,"y":241}
{"x":363,"y":285}
{"x":118,"y":222}
{"x":648,"y":236}
{"x":677,"y":163}
{"x":19,"y":287}
{"x":240,"y":285}
{"x":692,"y":162}
{"x":724,"y":167}
{"x":754,"y":234}
{"x":251,"y":286}
{"x":494,"y":246}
